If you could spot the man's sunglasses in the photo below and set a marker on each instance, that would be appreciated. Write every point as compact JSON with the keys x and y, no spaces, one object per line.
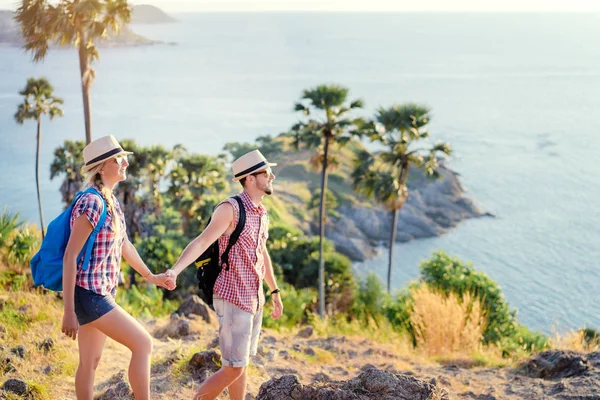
{"x":119,"y":159}
{"x":268,"y":173}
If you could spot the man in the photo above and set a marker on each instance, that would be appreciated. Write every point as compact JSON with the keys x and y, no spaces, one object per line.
{"x":238,"y":292}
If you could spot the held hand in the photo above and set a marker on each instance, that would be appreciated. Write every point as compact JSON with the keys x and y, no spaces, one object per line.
{"x":277,"y":306}
{"x":172,"y":276}
{"x":163,"y":280}
{"x":70,"y":326}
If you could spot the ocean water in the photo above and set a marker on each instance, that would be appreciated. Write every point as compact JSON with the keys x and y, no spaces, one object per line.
{"x":517,"y":95}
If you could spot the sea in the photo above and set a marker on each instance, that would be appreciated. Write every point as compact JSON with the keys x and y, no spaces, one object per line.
{"x":516,"y":95}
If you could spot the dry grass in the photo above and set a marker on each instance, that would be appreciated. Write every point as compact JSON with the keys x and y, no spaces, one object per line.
{"x":573,"y":340}
{"x":447,"y":325}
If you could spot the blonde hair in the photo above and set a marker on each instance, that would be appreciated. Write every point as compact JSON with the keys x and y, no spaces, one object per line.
{"x":93,"y":177}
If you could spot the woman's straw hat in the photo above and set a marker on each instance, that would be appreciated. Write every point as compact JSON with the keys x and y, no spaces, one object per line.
{"x":101,"y":150}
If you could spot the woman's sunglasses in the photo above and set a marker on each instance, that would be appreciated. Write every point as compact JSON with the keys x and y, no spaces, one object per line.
{"x":119,"y":159}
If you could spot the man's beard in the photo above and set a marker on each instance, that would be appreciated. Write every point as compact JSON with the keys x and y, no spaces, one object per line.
{"x":268,"y":191}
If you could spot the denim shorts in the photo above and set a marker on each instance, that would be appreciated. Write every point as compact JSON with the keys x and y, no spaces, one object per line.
{"x":238,"y":333}
{"x":89,"y":306}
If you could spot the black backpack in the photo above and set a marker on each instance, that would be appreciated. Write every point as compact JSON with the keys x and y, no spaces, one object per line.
{"x":209,"y":265}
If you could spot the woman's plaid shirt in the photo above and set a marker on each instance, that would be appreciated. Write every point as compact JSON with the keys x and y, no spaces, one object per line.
{"x":242,"y":285}
{"x":102,"y":275}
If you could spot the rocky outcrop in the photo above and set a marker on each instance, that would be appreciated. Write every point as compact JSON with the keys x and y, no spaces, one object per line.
{"x":193,"y":305}
{"x":432,"y":208}
{"x":370,"y":384}
{"x":554,"y":364}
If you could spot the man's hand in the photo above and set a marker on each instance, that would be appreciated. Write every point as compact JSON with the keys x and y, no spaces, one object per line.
{"x":277,"y":306}
{"x":163,"y":280}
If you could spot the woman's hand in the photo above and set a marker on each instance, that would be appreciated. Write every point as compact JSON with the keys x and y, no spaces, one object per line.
{"x":163,"y":280}
{"x":70,"y":326}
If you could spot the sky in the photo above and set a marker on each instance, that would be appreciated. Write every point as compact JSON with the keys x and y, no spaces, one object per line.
{"x":367,"y":5}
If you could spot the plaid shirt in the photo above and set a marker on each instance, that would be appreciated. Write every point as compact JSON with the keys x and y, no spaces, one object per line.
{"x":102,"y":275}
{"x":242,"y":285}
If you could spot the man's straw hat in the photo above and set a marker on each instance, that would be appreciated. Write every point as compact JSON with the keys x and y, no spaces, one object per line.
{"x":248,"y":164}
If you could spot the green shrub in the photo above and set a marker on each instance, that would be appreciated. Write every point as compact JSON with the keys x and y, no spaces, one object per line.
{"x":25,"y":243}
{"x":450,"y":275}
{"x":297,"y":305}
{"x":370,"y":298}
{"x":145,"y":301}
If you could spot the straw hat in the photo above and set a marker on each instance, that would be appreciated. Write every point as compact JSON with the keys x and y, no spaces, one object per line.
{"x":101,"y":150}
{"x":248,"y":164}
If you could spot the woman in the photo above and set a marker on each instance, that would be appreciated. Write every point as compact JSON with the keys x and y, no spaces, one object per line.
{"x":90,"y":309}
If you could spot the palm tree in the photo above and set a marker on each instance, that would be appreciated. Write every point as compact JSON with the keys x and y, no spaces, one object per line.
{"x":39,"y":100}
{"x":335,"y":127}
{"x":383,"y":176}
{"x":72,"y":22}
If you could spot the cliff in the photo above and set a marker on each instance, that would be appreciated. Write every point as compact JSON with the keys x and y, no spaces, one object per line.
{"x":358,"y":226}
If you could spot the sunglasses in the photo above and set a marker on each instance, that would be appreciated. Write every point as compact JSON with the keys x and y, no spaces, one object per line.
{"x":119,"y":159}
{"x":268,"y":173}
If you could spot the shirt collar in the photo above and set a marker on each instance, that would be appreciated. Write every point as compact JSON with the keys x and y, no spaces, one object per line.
{"x":247,"y":200}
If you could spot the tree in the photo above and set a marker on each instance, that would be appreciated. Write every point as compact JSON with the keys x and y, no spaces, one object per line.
{"x":72,"y":22}
{"x":68,"y":161}
{"x":383,"y":176}
{"x":38,"y":100}
{"x":336,"y":127}
{"x":196,"y":184}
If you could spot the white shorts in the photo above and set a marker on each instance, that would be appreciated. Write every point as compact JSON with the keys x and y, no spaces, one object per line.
{"x":238,"y":333}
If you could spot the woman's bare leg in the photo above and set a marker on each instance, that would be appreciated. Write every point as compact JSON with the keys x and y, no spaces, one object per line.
{"x":91,"y":342}
{"x":118,"y":325}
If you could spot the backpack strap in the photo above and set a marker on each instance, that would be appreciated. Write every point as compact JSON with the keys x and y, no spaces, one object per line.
{"x":89,"y":244}
{"x":235,"y":235}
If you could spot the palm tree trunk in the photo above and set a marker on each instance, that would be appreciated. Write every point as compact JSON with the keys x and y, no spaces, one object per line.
{"x":85,"y":87}
{"x":392,"y":242}
{"x":37,"y":175}
{"x":322,"y":230}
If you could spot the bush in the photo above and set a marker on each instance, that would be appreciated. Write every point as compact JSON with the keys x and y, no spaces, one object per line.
{"x":296,"y":258}
{"x":297,"y":306}
{"x":370,"y":299}
{"x":450,"y":275}
{"x":145,"y":301}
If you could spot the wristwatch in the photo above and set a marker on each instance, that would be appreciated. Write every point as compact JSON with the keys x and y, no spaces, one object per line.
{"x":275,"y":291}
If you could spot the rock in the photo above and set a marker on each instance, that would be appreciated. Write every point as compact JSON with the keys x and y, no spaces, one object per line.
{"x":210,"y":360}
{"x":320,"y":377}
{"x":269,"y":340}
{"x":306,"y":332}
{"x":48,"y":369}
{"x":19,"y":351}
{"x":367,"y":367}
{"x":309,"y":351}
{"x":23,"y":309}
{"x":16,"y":386}
{"x":433,"y":206}
{"x":120,"y":391}
{"x":46,"y":345}
{"x":371,"y":384}
{"x":249,"y":396}
{"x":193,"y":305}
{"x":213,"y":344}
{"x":556,"y":364}
{"x":176,"y":328}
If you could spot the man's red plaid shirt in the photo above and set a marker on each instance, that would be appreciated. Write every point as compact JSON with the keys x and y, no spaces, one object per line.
{"x":242,"y":285}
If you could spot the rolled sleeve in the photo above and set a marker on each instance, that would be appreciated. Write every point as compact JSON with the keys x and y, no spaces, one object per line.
{"x":89,"y":205}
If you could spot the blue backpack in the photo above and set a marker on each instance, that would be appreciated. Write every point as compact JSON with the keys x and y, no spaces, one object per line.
{"x":47,"y":264}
